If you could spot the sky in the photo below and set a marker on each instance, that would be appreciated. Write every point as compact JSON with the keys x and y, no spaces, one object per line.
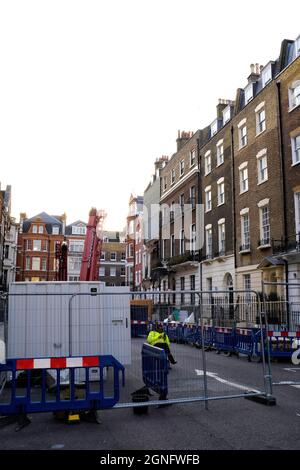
{"x":93,"y":92}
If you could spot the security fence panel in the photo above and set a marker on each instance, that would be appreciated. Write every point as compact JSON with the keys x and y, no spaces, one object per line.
{"x":187,"y":346}
{"x":281,"y":308}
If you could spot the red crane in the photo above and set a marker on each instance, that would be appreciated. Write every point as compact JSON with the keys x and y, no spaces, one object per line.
{"x":92,"y":246}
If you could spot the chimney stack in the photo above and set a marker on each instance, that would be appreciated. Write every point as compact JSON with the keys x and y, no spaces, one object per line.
{"x":183,"y":137}
{"x":254,"y":73}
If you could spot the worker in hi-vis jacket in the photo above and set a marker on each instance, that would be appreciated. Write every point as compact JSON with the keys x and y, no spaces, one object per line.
{"x":160,"y":339}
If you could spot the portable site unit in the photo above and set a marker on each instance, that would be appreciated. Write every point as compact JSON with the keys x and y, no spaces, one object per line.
{"x":61,"y":319}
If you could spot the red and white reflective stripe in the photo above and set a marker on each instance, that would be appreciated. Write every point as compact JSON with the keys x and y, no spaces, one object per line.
{"x":138,"y":322}
{"x":223,"y":330}
{"x":284,"y":334}
{"x":57,"y":362}
{"x":243,"y":332}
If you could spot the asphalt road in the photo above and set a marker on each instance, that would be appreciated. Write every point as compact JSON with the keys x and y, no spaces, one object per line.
{"x":227,"y":424}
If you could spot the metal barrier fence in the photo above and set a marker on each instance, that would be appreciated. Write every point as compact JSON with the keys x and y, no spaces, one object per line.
{"x":93,"y":323}
{"x":283,"y":330}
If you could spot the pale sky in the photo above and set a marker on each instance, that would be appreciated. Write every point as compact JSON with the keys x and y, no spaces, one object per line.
{"x":92,"y":92}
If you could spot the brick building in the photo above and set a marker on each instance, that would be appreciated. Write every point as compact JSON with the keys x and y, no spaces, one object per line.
{"x":178,"y":200}
{"x":36,"y":246}
{"x":75,"y":236}
{"x":113,"y":257}
{"x":134,"y":243}
{"x":217,"y":260}
{"x":8,"y":240}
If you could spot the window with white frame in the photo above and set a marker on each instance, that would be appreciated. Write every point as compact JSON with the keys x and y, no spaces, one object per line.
{"x":55,"y":230}
{"x":173,"y":176}
{"x":208,"y":237}
{"x":221,"y":191}
{"x":296,"y":149}
{"x":244,"y":182}
{"x":294,"y":94}
{"x":122,"y":270}
{"x":214,"y":128}
{"x":192,"y":157}
{"x":102,"y":271}
{"x":207,"y":163}
{"x":248,"y":93}
{"x":113,"y":256}
{"x":221,"y":226}
{"x":226,"y":115}
{"x":247,"y":286}
{"x":164,"y":181}
{"x":36,"y":264}
{"x":220,"y":153}
{"x":245,"y":231}
{"x":41,"y":229}
{"x":102,"y":256}
{"x":34,"y":229}
{"x":243,"y":136}
{"x":193,"y":196}
{"x":76,"y":246}
{"x":297,"y":46}
{"x":37,"y":245}
{"x":193,"y":237}
{"x":260,"y":121}
{"x":113,"y":271}
{"x":262,"y":167}
{"x":264,"y":225}
{"x":266,"y":75}
{"x":44,"y":264}
{"x":208,"y":202}
{"x":297,"y":214}
{"x":27,"y":263}
{"x":77,"y":230}
{"x":74,"y":263}
{"x":181,"y":168}
{"x":123,"y":256}
{"x":181,"y":242}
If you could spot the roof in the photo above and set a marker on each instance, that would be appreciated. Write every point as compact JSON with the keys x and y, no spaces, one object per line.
{"x":49,"y":220}
{"x":269,"y":261}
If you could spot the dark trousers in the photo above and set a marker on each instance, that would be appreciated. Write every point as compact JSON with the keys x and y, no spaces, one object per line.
{"x":166,"y":348}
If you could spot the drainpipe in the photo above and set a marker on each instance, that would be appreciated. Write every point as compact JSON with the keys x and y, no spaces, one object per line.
{"x":283,"y":184}
{"x":233,"y":200}
{"x":199,"y":202}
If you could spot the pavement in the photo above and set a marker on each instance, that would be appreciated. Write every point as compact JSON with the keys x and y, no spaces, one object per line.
{"x":228,"y":424}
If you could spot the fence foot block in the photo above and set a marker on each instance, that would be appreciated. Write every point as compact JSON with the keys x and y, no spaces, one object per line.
{"x":267,"y":400}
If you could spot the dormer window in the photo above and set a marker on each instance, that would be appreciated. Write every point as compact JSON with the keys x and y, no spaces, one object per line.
{"x":55,"y":230}
{"x":248,"y":93}
{"x":77,"y":230}
{"x":214,"y":128}
{"x":297,"y":46}
{"x":226,"y":115}
{"x":266,"y":74}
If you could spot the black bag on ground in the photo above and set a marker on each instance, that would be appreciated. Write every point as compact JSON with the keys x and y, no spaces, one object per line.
{"x":140,"y":396}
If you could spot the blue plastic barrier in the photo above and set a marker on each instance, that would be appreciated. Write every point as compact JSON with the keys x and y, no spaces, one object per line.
{"x":208,"y":333}
{"x":155,"y":368}
{"x":139,"y":328}
{"x":23,"y":401}
{"x":224,"y":339}
{"x":244,"y":341}
{"x":280,"y":343}
{"x":188,"y":334}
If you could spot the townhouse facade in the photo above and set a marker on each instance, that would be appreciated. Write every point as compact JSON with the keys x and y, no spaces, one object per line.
{"x":8,"y":240}
{"x":113,"y":258}
{"x":36,"y":250}
{"x":75,"y":237}
{"x":243,"y":169}
{"x":134,"y":243}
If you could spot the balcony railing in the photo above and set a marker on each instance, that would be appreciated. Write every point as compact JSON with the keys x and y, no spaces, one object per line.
{"x":187,"y":256}
{"x":286,"y":245}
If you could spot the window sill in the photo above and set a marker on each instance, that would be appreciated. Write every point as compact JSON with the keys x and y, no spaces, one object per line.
{"x":296,"y":163}
{"x":241,"y":147}
{"x":206,"y":174}
{"x":221,"y":204}
{"x":264,"y":247}
{"x":245,"y":252}
{"x":219,"y":164}
{"x":262,"y":182}
{"x":294,"y":107}
{"x":208,"y":210}
{"x":260,"y":133}
{"x":243,"y":192}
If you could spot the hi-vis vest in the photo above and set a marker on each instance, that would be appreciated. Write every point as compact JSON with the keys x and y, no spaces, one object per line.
{"x":155,"y":337}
